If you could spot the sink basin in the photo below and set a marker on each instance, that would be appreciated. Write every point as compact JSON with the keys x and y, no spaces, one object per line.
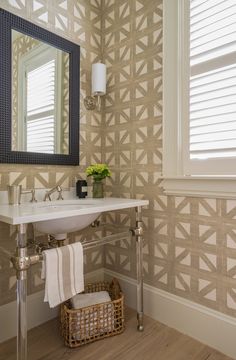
{"x":60,"y":227}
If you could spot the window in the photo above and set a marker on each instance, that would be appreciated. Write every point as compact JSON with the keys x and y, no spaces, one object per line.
{"x":212,"y":88}
{"x":200,"y":84}
{"x":39,"y":68}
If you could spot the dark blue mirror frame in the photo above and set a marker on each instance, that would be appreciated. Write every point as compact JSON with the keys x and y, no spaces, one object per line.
{"x":9,"y":22}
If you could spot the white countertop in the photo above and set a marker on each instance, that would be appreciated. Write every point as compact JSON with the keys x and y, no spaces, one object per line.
{"x":40,"y":211}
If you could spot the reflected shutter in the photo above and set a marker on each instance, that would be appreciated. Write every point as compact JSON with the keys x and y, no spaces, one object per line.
{"x":40,"y":108}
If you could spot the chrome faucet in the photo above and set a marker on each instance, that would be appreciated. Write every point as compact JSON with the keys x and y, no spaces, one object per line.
{"x":50,"y":192}
{"x":23,"y":192}
{"x":15,"y":193}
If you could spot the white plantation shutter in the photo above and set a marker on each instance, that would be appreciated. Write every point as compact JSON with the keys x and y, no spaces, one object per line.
{"x":212,"y":88}
{"x":40,"y":108}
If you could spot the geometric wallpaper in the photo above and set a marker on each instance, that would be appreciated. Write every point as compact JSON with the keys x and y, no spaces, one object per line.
{"x":190,"y":243}
{"x":80,"y":22}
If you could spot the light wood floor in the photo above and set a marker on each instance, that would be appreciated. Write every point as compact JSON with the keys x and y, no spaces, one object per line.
{"x":157,"y":342}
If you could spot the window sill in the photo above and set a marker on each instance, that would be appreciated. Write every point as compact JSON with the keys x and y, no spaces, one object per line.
{"x":203,"y":186}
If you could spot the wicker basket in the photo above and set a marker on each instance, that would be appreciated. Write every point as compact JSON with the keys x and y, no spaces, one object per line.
{"x":88,"y":324}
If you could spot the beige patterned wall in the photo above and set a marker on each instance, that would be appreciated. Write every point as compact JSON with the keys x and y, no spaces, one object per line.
{"x":80,"y":22}
{"x":190,"y":243}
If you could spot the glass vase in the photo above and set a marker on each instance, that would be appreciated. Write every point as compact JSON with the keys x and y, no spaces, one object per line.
{"x":98,"y":189}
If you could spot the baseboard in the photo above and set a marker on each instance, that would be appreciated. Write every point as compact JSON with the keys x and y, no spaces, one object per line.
{"x":211,"y":327}
{"x":38,"y":311}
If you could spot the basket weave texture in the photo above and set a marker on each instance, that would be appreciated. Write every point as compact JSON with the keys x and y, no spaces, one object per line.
{"x":88,"y":324}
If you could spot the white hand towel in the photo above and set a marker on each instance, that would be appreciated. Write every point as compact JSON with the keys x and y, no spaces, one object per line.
{"x":83,"y":300}
{"x":63,"y":271}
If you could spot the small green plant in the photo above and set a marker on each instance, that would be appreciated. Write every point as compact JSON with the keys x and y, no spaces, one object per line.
{"x":98,"y":171}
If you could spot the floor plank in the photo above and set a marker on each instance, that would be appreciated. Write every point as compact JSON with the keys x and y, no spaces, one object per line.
{"x":156,"y":342}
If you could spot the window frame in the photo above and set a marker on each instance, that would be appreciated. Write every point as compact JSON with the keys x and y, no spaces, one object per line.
{"x":175,"y":117}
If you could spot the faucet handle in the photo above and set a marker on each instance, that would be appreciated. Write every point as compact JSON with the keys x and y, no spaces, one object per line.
{"x":48,"y":193}
{"x":60,"y":197}
{"x":33,"y":199}
{"x":32,"y":191}
{"x":47,"y":196}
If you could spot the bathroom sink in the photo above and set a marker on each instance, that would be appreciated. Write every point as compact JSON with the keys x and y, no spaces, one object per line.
{"x":63,"y":216}
{"x":60,"y":227}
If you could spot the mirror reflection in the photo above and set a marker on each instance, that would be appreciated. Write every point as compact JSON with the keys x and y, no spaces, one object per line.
{"x":40,"y":96}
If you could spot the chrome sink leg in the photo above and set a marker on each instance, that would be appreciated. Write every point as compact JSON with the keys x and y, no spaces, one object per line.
{"x":21,"y":294}
{"x":138,"y":232}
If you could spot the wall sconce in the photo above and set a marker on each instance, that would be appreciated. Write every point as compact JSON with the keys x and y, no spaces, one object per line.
{"x":98,"y":87}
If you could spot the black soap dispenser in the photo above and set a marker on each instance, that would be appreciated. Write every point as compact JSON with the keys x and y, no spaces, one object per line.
{"x":81,"y":189}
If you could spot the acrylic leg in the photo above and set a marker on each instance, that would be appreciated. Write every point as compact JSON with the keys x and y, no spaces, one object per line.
{"x":139,"y":260}
{"x":21,"y":296}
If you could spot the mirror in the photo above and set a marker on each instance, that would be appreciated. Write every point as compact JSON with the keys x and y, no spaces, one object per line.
{"x":39,"y":94}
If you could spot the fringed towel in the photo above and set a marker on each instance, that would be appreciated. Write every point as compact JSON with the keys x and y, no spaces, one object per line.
{"x":63,"y":271}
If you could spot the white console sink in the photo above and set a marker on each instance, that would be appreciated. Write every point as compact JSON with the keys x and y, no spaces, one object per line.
{"x":63,"y":216}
